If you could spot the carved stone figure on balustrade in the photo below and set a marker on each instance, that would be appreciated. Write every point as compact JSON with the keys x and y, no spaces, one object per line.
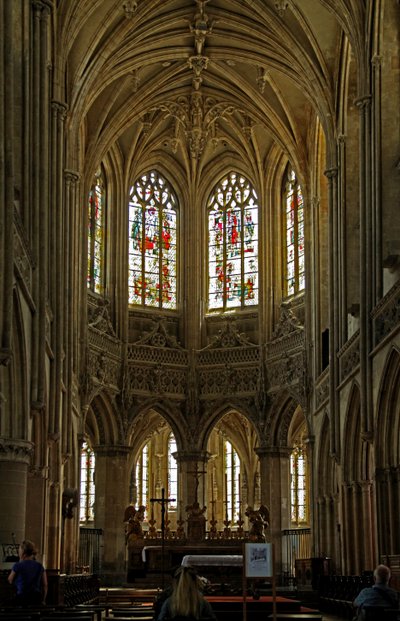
{"x":196,"y":522}
{"x":258,"y":522}
{"x":133,"y":519}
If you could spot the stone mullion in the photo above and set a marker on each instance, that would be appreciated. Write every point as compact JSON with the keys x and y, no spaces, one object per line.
{"x":70,"y":189}
{"x":366,"y":264}
{"x":7,"y":182}
{"x":331,"y":175}
{"x":309,"y":445}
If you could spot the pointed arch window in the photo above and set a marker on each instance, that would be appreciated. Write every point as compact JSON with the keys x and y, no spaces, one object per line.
{"x":232,"y":482}
{"x":299,"y":486}
{"x":142,"y":477}
{"x":87,"y":486}
{"x":152,"y":243}
{"x":294,"y":229}
{"x":172,"y":472}
{"x":96,"y":203}
{"x":233,"y":245}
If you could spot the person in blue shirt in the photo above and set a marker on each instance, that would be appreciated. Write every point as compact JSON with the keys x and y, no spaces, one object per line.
{"x":379,"y":595}
{"x":29,"y":577}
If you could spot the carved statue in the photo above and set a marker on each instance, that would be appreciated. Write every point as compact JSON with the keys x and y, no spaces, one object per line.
{"x":133,"y":519}
{"x":196,"y":522}
{"x":259,"y":521}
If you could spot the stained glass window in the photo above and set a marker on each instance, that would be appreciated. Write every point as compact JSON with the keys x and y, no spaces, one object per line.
{"x":298,"y":486}
{"x":232,"y":483}
{"x":87,"y":488}
{"x":142,"y":477}
{"x":172,"y":472}
{"x":233,"y":244}
{"x":294,"y":219}
{"x":152,"y":243}
{"x":96,"y":234}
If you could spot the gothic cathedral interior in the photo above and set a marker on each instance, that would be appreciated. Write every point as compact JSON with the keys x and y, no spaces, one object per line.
{"x":199,"y":279}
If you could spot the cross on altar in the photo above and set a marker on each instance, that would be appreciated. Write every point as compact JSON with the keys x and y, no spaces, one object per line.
{"x":164,"y":503}
{"x":196,"y":472}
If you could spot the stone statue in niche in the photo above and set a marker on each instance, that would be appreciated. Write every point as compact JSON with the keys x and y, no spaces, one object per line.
{"x":196,"y":522}
{"x":258,"y":522}
{"x":133,"y":519}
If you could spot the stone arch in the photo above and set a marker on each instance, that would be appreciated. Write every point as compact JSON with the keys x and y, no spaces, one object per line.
{"x":101,"y":422}
{"x":280,"y":418}
{"x":387,"y":441}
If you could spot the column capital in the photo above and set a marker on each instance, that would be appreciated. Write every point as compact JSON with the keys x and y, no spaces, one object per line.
{"x":331,"y":173}
{"x":272,"y":451}
{"x":192,"y":456}
{"x":112,"y":450}
{"x":71,"y":176}
{"x":15,"y":450}
{"x":363,"y":102}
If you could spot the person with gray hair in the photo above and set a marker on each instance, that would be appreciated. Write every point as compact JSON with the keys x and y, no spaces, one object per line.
{"x":380,"y":595}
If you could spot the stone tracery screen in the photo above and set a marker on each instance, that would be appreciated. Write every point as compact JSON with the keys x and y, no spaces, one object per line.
{"x":233,"y":244}
{"x":152,"y":243}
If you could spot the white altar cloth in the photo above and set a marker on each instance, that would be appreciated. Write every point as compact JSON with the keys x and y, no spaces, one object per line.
{"x":212,"y":560}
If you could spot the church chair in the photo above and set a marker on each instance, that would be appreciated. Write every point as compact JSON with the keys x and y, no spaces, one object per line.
{"x":378,"y":613}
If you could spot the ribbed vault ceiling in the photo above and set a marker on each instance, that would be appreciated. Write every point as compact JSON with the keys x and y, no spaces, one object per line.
{"x":194,"y":80}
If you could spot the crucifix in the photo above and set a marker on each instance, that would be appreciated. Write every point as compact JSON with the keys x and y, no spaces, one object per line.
{"x":196,"y":472}
{"x":164,"y":504}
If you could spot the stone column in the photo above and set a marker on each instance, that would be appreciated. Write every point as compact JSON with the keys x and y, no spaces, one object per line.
{"x":7,"y":180}
{"x":36,"y":501}
{"x":320,"y":531}
{"x":57,"y":216}
{"x":367,"y":266}
{"x":69,"y":186}
{"x":357,"y":545}
{"x":112,"y":498}
{"x":193,"y":487}
{"x":14,"y":462}
{"x":275,"y":490}
{"x":331,"y":175}
{"x":367,"y":525}
{"x":347,"y":528}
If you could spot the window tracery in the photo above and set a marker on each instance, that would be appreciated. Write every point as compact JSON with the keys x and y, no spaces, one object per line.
{"x":87,"y":486}
{"x":232,"y":482}
{"x":233,"y":245}
{"x":294,"y":231}
{"x":96,"y":217}
{"x":152,"y":243}
{"x":299,"y":486}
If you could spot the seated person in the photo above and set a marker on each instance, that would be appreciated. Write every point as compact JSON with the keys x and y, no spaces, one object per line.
{"x":186,"y":601}
{"x":379,"y":595}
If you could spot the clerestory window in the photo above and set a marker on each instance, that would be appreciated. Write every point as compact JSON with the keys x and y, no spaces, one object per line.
{"x":96,"y":227}
{"x":152,"y":243}
{"x":294,"y":231}
{"x":232,"y":211}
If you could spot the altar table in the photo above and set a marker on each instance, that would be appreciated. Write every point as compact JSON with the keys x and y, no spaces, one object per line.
{"x":212,"y":560}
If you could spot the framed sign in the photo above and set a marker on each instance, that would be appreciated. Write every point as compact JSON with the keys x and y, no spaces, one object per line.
{"x":258,"y":560}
